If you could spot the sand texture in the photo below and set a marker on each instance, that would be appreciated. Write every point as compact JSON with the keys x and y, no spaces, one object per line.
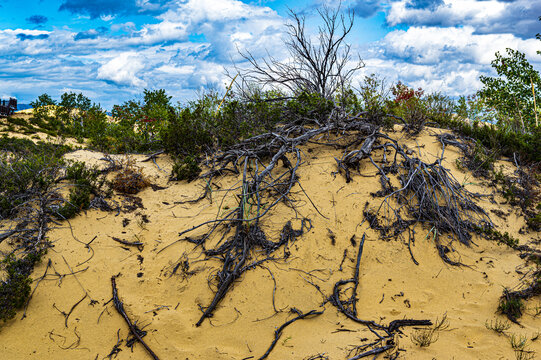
{"x":166,"y":303}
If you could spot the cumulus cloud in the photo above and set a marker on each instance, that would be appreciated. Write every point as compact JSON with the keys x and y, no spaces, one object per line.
{"x":366,"y":8}
{"x":448,"y":60}
{"x":37,"y":19}
{"x":519,"y":17}
{"x":443,"y":45}
{"x":424,"y":4}
{"x":123,"y":69}
{"x":434,"y":45}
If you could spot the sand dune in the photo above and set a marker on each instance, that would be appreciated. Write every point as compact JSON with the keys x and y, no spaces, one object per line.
{"x":167,"y":306}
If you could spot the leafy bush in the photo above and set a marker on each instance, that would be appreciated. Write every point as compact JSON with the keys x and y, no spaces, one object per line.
{"x":189,"y":132}
{"x":15,"y":288}
{"x":186,"y":168}
{"x":85,"y":181}
{"x":25,"y":177}
{"x":409,"y":105}
{"x":373,"y":98}
{"x":43,"y":107}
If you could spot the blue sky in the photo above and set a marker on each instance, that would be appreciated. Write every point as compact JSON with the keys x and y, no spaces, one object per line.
{"x":112,"y":50}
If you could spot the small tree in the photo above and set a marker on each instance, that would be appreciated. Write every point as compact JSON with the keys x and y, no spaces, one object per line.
{"x":41,"y":107}
{"x":72,"y":110}
{"x":511,"y":94}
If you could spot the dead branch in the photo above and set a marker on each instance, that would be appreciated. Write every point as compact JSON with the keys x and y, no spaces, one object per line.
{"x":278,"y":332}
{"x":119,"y":306}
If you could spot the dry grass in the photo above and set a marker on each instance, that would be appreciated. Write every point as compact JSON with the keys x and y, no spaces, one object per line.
{"x":425,"y":337}
{"x":130,"y":178}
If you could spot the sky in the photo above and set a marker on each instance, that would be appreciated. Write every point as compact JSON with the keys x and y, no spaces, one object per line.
{"x":112,"y":50}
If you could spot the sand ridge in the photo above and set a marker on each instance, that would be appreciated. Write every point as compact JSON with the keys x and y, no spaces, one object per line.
{"x":166,"y":305}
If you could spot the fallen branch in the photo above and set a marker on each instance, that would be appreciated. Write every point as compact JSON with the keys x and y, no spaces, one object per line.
{"x":119,"y":306}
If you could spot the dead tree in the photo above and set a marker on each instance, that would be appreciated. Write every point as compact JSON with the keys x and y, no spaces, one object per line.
{"x":323,"y":66}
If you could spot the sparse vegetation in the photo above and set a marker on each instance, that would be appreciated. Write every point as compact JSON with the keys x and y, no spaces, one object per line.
{"x":511,"y":305}
{"x":497,"y":325}
{"x":426,"y":337}
{"x":251,"y":130}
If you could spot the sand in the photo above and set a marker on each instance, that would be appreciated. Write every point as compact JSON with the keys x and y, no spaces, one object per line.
{"x":391,"y":285}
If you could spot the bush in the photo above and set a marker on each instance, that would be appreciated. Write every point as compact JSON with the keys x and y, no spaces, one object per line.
{"x":373,"y":98}
{"x":86,"y":181}
{"x":130,"y":179}
{"x":409,"y":105}
{"x":43,"y":108}
{"x":15,"y":288}
{"x":23,"y":177}
{"x":189,"y":132}
{"x":186,"y":168}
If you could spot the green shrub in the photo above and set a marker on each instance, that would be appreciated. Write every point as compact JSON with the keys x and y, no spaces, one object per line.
{"x":502,"y":238}
{"x":373,"y":99}
{"x":15,"y":288}
{"x":511,"y":305}
{"x":534,"y":221}
{"x":86,"y":181}
{"x":23,"y":177}
{"x":41,"y":107}
{"x":189,"y":132}
{"x":186,"y":168}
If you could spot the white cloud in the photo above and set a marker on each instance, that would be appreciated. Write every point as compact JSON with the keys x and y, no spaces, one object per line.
{"x":434,"y":45}
{"x":487,"y":16}
{"x":123,"y":69}
{"x":449,"y":13}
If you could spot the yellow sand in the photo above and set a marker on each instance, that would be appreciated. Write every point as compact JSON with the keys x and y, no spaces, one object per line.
{"x":391,"y":285}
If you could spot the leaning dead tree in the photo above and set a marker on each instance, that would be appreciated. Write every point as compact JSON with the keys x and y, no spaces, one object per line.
{"x":322,"y":66}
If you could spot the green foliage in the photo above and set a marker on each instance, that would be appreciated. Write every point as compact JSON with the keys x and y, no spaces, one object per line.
{"x":137,"y":125}
{"x":41,"y":106}
{"x":70,"y":114}
{"x":15,"y":288}
{"x":24,"y":176}
{"x":85,"y":182}
{"x":510,"y":94}
{"x":511,"y":305}
{"x":503,"y":142}
{"x":472,"y":109}
{"x":534,"y":222}
{"x":186,"y":168}
{"x":190,"y":131}
{"x":373,"y":98}
{"x":439,"y":107}
{"x":502,"y":238}
{"x":306,"y":106}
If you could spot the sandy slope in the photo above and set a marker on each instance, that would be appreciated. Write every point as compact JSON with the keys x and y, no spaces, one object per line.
{"x":391,"y":285}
